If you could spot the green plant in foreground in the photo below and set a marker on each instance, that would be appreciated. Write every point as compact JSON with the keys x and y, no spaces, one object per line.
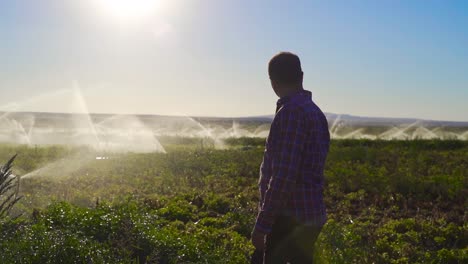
{"x":387,"y":202}
{"x":9,"y":188}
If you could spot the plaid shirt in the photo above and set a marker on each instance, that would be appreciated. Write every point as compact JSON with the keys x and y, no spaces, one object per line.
{"x":291,"y":174}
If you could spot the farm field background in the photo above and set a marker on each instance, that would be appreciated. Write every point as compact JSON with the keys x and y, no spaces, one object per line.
{"x":133,"y":131}
{"x":388,"y":202}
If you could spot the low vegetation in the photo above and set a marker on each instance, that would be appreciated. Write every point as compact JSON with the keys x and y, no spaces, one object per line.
{"x":388,"y":202}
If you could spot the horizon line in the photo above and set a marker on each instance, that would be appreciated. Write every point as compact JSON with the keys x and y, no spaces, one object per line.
{"x":269,"y":116}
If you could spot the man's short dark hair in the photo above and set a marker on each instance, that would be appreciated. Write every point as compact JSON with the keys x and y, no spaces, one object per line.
{"x":285,"y":67}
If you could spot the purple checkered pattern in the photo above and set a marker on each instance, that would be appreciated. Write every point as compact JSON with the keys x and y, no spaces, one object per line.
{"x":291,"y":174}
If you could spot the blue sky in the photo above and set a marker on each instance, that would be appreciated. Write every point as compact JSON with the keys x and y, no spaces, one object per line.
{"x":209,"y":57}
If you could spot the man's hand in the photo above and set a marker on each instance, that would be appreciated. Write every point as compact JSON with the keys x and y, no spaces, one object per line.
{"x":258,"y":240}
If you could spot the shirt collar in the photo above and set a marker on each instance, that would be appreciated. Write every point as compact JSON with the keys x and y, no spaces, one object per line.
{"x":295,"y":97}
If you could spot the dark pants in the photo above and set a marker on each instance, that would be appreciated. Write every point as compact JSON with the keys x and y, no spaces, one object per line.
{"x":288,"y":241}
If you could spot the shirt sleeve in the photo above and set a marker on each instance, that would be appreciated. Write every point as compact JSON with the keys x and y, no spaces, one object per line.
{"x":286,"y":159}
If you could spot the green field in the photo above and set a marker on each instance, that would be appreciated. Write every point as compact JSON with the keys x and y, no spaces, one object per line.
{"x":387,"y":201}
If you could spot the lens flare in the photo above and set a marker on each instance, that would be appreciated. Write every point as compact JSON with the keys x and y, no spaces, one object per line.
{"x":129,"y":9}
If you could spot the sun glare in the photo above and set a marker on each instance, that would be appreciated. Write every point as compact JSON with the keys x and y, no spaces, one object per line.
{"x":129,"y":9}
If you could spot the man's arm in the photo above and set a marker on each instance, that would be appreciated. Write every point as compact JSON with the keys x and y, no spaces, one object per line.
{"x":286,"y":159}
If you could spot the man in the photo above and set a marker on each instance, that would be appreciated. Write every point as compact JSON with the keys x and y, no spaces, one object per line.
{"x":291,"y":211}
